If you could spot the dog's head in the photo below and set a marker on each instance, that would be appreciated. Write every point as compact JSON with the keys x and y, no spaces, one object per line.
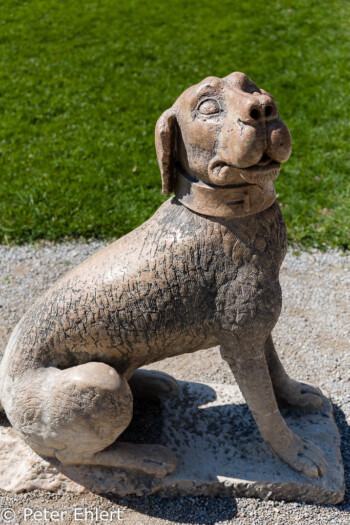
{"x":223,"y":132}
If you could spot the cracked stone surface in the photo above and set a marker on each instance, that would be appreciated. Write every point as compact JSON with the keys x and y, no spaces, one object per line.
{"x":312,"y":338}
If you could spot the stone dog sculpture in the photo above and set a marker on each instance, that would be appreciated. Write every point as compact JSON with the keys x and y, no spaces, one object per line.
{"x":203,"y":271}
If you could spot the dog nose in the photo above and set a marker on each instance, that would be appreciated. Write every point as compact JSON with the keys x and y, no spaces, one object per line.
{"x":259,"y":108}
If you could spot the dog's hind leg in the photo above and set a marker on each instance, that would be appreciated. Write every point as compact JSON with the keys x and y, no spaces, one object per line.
{"x":74,"y":414}
{"x":297,"y":394}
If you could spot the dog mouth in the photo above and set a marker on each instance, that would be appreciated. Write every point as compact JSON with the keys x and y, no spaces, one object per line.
{"x":224,"y":174}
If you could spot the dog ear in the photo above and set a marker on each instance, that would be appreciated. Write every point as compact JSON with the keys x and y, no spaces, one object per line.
{"x":165,"y":148}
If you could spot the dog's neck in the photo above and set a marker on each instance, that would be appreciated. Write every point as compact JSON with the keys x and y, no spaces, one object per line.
{"x":225,"y":201}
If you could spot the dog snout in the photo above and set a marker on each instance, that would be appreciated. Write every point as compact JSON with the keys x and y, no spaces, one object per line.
{"x":258,"y":136}
{"x":257,"y":108}
{"x":241,"y":145}
{"x":279,"y":141}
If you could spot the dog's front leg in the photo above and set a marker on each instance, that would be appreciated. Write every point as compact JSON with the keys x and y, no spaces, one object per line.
{"x":253,"y":378}
{"x":300,"y":395}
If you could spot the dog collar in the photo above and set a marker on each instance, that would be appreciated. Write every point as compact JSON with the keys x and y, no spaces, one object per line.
{"x":225,"y":201}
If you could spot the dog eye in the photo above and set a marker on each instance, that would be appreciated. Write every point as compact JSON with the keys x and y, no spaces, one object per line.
{"x":209,"y":106}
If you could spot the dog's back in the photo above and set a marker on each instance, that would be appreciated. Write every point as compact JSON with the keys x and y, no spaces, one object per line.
{"x":169,"y":287}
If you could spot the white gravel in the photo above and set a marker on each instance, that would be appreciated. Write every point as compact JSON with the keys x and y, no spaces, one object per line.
{"x":312,"y":338}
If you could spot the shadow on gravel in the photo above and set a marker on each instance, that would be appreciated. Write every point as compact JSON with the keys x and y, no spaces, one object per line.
{"x":344,"y":431}
{"x":188,"y":509}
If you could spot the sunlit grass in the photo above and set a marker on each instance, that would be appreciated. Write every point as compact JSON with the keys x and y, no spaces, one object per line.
{"x":83,"y":83}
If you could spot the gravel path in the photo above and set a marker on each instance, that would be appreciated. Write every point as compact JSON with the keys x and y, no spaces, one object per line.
{"x":312,"y":337}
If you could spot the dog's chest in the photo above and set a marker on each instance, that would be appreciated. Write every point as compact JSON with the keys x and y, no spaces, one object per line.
{"x":227,"y":269}
{"x":248,"y":294}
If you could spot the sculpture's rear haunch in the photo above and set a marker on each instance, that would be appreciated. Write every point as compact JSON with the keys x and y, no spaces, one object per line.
{"x":203,"y":271}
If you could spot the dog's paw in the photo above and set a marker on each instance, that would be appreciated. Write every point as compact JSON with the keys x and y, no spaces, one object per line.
{"x":300,"y":395}
{"x":303,"y":456}
{"x":155,"y":460}
{"x":160,"y":382}
{"x":151,"y":384}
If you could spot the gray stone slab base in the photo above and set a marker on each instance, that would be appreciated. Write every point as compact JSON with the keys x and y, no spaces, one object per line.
{"x":220,"y":450}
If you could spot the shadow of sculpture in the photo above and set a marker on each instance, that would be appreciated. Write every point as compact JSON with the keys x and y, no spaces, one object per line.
{"x":344,"y":431}
{"x":201,"y":510}
{"x":214,"y":437}
{"x":215,"y":509}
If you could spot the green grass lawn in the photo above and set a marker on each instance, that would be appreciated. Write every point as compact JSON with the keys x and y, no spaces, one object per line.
{"x":83,"y":83}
